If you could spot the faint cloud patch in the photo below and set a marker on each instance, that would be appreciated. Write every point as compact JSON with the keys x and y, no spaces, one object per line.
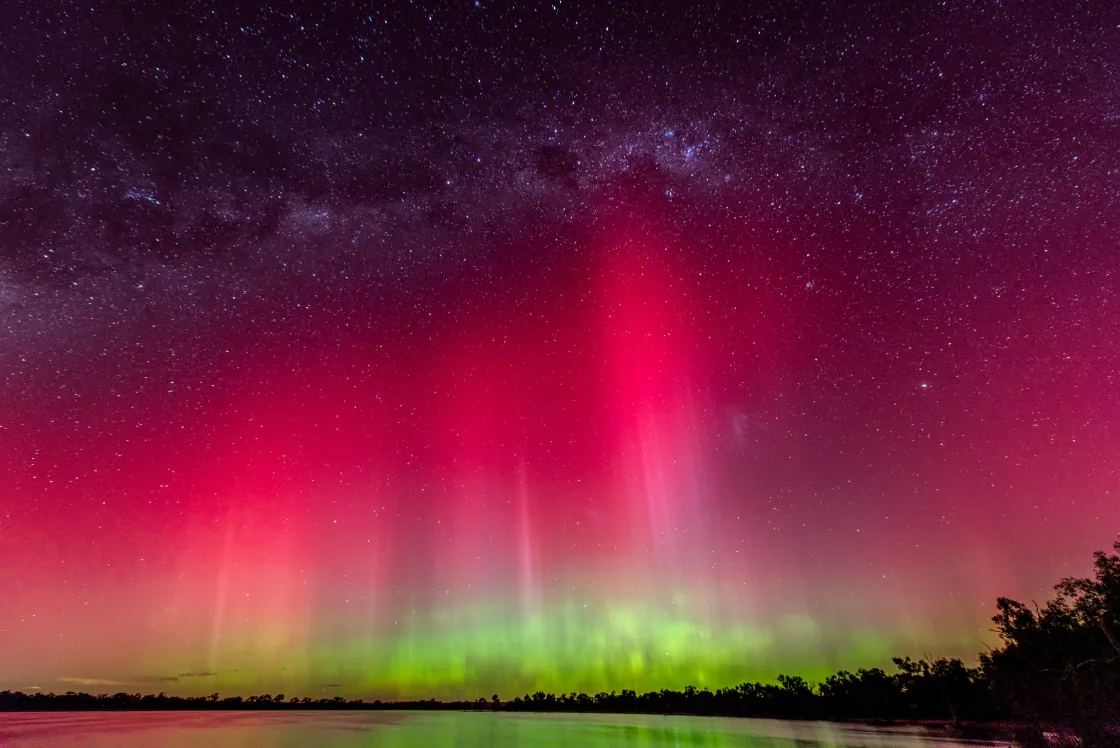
{"x":92,"y":682}
{"x":11,"y":291}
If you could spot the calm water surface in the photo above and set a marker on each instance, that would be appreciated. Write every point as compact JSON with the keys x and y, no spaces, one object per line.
{"x":435,"y":730}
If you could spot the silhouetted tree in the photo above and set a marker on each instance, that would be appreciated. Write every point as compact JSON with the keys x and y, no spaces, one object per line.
{"x":1059,"y":663}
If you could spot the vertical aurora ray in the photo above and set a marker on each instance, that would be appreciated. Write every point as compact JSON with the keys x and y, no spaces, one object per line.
{"x":608,"y":475}
{"x":530,"y":593}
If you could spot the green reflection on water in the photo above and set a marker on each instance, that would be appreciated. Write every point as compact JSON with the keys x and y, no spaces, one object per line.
{"x":435,"y":730}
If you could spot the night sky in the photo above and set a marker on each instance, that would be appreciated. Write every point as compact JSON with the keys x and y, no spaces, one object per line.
{"x":444,"y":350}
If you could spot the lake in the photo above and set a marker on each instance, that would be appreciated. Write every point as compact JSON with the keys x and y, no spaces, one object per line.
{"x":391,"y":729}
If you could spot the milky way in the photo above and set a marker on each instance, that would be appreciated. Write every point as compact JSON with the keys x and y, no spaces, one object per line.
{"x":444,"y":350}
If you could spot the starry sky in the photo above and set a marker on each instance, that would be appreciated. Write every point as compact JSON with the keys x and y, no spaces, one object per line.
{"x":460,"y":348}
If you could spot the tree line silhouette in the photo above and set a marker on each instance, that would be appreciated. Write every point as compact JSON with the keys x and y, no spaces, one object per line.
{"x":1057,"y":665}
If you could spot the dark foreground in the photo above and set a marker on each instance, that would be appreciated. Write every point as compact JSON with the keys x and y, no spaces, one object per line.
{"x":389,"y":729}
